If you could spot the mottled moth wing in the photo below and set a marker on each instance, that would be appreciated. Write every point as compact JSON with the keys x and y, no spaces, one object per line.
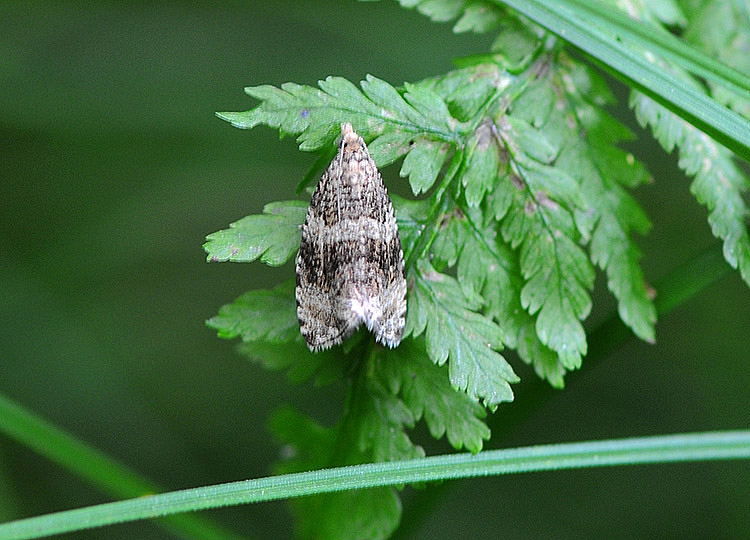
{"x":350,"y":266}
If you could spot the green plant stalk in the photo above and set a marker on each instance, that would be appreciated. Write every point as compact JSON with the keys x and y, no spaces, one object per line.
{"x":721,"y":445}
{"x":95,"y":467}
{"x":725,"y":126}
{"x":669,"y":46}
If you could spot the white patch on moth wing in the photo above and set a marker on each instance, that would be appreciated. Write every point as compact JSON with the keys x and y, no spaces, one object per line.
{"x":367,"y":309}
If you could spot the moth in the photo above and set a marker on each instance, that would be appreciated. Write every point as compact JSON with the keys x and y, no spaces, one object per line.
{"x":350,"y":266}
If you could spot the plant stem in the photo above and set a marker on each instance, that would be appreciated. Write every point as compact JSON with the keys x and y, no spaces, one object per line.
{"x":642,"y":450}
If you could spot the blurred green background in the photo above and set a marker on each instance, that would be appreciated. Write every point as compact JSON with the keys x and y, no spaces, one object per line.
{"x":113,"y":171}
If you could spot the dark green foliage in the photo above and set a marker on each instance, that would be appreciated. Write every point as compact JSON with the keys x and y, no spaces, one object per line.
{"x":524,"y":193}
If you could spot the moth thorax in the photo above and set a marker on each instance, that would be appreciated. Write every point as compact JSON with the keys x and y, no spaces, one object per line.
{"x":356,"y":173}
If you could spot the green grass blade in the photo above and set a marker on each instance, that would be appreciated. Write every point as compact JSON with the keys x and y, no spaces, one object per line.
{"x":95,"y":467}
{"x":668,"y":46}
{"x":662,"y":449}
{"x":574,"y":25}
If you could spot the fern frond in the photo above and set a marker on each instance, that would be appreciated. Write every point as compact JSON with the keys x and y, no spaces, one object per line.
{"x":416,"y":123}
{"x":718,"y":183}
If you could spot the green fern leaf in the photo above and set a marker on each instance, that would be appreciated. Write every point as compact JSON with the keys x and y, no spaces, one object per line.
{"x":541,"y":182}
{"x":372,"y":429}
{"x":558,"y":292}
{"x":526,"y":141}
{"x":266,"y":323}
{"x":473,"y":15}
{"x":259,"y":315}
{"x":482,"y":165}
{"x":381,"y":420}
{"x":478,"y":17}
{"x":422,"y":165}
{"x":425,"y":390}
{"x":557,"y":273}
{"x":391,"y":146}
{"x":718,"y":184}
{"x":466,"y":91}
{"x":604,"y":213}
{"x":417,"y":123}
{"x":273,"y":236}
{"x":611,"y":213}
{"x":296,"y":360}
{"x":517,"y":43}
{"x":373,"y":514}
{"x":411,"y":217}
{"x":438,"y":10}
{"x":449,"y":242}
{"x":455,"y":332}
{"x":488,"y":267}
{"x":545,"y":361}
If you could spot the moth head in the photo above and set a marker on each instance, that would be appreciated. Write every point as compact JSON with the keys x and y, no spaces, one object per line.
{"x":349,"y":138}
